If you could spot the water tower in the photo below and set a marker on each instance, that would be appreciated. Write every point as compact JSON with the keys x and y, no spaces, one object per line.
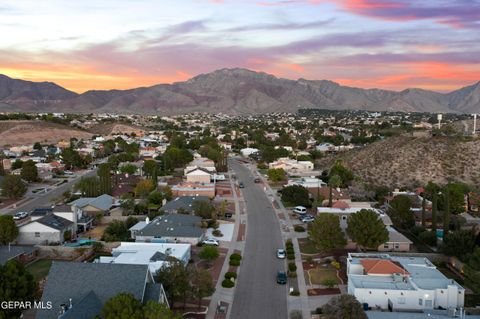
{"x":439,"y":118}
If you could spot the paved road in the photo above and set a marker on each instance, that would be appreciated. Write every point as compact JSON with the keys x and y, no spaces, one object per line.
{"x":257,"y":294}
{"x":46,"y":199}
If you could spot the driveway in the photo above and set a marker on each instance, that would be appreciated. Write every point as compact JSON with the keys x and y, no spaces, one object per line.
{"x":257,"y":294}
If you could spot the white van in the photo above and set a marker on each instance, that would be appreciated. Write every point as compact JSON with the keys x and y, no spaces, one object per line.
{"x":300,"y":210}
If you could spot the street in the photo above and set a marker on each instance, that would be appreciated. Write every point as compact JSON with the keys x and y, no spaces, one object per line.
{"x":257,"y":294}
{"x":46,"y":199}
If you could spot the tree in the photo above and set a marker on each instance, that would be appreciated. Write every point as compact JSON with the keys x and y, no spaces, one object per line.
{"x":399,"y":212}
{"x":72,"y":159}
{"x":17,"y":164}
{"x":16,"y":283}
{"x":8,"y":229}
{"x":203,"y":209}
{"x":222,"y":208}
{"x":434,"y":212}
{"x":128,"y":169}
{"x":155,"y":198}
{"x":295,"y":195}
{"x":459,"y":243}
{"x":88,"y":186}
{"x":143,"y":188}
{"x":150,"y":167}
{"x":122,"y":306}
{"x":474,"y":260}
{"x":333,"y":182}
{"x":424,"y":207}
{"x":276,"y":174}
{"x":153,"y":310}
{"x":367,"y":229}
{"x":37,"y":146}
{"x":105,"y":178}
{"x":127,"y":203}
{"x":345,"y":175}
{"x":175,"y":280}
{"x":202,"y":284}
{"x":119,"y":230}
{"x":456,"y":197}
{"x":13,"y":187}
{"x":345,"y":307}
{"x":326,"y":233}
{"x":446,"y":213}
{"x":209,"y":253}
{"x":29,"y":171}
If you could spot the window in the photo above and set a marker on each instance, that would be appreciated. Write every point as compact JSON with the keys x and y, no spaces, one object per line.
{"x":401,"y":300}
{"x":37,"y":234}
{"x":397,"y":245}
{"x":386,"y":245}
{"x":420,"y":301}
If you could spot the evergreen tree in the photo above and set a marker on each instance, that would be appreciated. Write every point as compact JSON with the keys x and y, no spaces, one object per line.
{"x":8,"y":229}
{"x":367,"y":229}
{"x":326,"y":233}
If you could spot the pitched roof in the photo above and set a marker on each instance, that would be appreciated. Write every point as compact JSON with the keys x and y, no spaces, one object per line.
{"x":7,"y":253}
{"x":90,"y":284}
{"x":103,"y":202}
{"x":183,"y":202}
{"x":201,"y":169}
{"x":173,"y":225}
{"x":381,"y":267}
{"x":55,"y":222}
{"x":340,"y":204}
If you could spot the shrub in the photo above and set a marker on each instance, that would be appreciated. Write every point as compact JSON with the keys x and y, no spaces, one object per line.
{"x":236,"y":256}
{"x":290,"y":256}
{"x":295,"y":292}
{"x":227,"y":283}
{"x":309,"y":259}
{"x":292,"y":267}
{"x":299,"y":228}
{"x":234,"y":262}
{"x":290,"y":251}
{"x":335,"y":264}
{"x":217,"y":233}
{"x":292,"y":274}
{"x":230,"y":274}
{"x":428,"y":237}
{"x":296,"y":314}
{"x":329,"y":283}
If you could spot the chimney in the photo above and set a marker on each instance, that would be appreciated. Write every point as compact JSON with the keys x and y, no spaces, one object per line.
{"x":147,"y":220}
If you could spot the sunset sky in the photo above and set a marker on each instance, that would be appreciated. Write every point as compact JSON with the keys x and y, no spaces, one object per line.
{"x":92,"y":44}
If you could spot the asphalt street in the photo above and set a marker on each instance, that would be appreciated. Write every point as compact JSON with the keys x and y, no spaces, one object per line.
{"x":257,"y":294}
{"x":46,"y":199}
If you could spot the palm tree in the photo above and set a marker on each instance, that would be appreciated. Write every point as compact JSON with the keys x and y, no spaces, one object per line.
{"x":424,"y":204}
{"x":333,"y":182}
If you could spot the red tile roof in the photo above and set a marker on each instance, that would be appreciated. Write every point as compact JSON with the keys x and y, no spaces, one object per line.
{"x":382,"y":267}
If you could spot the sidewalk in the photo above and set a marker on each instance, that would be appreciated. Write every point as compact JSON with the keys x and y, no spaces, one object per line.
{"x":224,"y":296}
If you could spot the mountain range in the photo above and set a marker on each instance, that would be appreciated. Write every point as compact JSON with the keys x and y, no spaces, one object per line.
{"x":231,"y":91}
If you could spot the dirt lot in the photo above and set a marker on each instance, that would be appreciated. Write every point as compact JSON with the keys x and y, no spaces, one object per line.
{"x":28,"y":132}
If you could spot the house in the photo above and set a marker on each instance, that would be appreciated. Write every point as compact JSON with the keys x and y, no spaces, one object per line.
{"x":246,"y":152}
{"x":201,"y":162}
{"x":307,"y":182}
{"x":183,"y":203}
{"x":23,"y":254}
{"x":396,"y":241}
{"x":194,"y":189}
{"x":292,"y":166}
{"x":93,"y":205}
{"x":79,"y":290}
{"x":82,"y":222}
{"x":324,"y":193}
{"x":170,"y":228}
{"x":155,"y":255}
{"x":401,"y":283}
{"x":125,"y":183}
{"x":198,"y":175}
{"x":45,"y":230}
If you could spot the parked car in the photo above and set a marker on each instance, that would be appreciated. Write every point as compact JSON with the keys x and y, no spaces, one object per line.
{"x":210,"y":241}
{"x":307,"y":218}
{"x":257,"y":180}
{"x":281,"y":277}
{"x":241,"y":185}
{"x":281,"y":254}
{"x":20,"y":215}
{"x":300,"y":210}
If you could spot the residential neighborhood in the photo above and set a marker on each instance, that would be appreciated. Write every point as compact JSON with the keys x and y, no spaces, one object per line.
{"x":199,"y":219}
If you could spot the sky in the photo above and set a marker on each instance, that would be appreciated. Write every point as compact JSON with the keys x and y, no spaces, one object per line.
{"x":120,"y":44}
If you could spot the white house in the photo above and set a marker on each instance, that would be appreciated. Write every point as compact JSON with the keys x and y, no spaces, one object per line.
{"x":307,"y":182}
{"x":246,"y":152}
{"x":155,"y":255}
{"x":401,"y":283}
{"x":198,"y":175}
{"x":291,"y":165}
{"x":46,"y":230}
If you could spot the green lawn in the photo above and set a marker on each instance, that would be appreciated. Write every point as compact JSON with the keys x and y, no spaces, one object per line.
{"x":318,"y":275}
{"x":40,"y":268}
{"x":307,"y":246}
